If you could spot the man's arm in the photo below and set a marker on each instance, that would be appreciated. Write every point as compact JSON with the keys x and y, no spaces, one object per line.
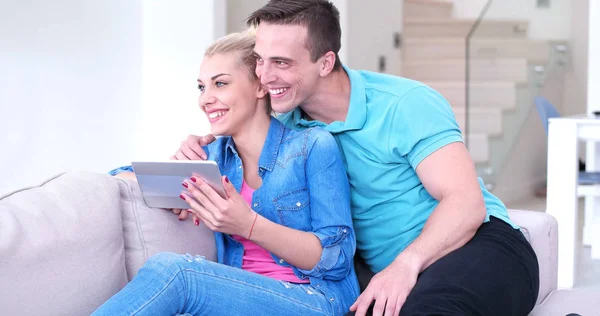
{"x":449,"y":176}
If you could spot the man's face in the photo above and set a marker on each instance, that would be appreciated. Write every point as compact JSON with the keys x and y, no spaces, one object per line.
{"x":284,"y":65}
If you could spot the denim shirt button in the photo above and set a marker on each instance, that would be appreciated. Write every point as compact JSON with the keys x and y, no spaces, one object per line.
{"x":255,"y":204}
{"x":281,"y":261}
{"x":344,"y":231}
{"x":298,"y":204}
{"x":240,"y":167}
{"x":332,"y":299}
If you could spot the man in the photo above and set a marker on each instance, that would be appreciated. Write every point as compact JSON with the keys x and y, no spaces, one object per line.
{"x":438,"y":242}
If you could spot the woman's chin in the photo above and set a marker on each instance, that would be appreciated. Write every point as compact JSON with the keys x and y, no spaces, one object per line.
{"x":219,"y":131}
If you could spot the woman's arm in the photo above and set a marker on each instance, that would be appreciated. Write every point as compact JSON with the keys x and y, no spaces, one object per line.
{"x":298,"y":248}
{"x":328,"y":250}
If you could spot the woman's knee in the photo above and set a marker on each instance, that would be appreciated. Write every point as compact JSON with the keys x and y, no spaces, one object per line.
{"x":164,"y":264}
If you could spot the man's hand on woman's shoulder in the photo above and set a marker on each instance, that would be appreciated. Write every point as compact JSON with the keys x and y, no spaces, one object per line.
{"x":191,"y":148}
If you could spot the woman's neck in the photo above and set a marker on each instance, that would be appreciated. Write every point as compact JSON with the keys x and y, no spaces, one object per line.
{"x":249,"y":141}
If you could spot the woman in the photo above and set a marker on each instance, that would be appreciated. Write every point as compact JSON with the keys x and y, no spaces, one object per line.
{"x":285,"y":242}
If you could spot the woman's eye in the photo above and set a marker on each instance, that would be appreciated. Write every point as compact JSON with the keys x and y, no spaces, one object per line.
{"x":201,"y":88}
{"x":220,"y":84}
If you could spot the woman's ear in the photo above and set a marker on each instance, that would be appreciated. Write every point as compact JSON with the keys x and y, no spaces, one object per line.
{"x":261,"y":91}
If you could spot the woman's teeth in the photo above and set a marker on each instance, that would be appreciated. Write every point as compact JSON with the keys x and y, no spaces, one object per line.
{"x":216,"y":114}
{"x":277,"y":91}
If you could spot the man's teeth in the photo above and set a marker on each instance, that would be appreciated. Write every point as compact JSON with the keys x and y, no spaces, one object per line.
{"x":277,"y":91}
{"x":216,"y":114}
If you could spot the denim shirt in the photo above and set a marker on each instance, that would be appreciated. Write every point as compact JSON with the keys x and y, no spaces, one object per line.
{"x":305,"y":187}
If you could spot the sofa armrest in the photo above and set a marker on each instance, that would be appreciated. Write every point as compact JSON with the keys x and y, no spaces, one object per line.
{"x":541,"y":230}
{"x":61,"y":246}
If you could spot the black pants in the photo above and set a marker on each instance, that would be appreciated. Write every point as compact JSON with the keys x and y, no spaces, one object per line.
{"x":496,"y":273}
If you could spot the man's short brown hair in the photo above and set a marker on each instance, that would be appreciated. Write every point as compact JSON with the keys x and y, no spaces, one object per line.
{"x":321,"y":18}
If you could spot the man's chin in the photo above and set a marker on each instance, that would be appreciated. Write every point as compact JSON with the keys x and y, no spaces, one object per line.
{"x":283,"y":107}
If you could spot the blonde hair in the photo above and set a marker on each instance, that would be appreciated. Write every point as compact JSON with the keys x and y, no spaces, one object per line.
{"x":242,"y":44}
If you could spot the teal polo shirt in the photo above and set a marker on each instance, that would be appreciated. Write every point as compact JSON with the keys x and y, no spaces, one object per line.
{"x":392,"y":124}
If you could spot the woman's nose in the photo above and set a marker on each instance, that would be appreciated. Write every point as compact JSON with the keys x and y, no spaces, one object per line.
{"x":206,"y":99}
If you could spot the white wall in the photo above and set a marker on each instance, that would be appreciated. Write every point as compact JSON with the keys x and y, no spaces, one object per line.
{"x":371,"y":26}
{"x":71,"y":89}
{"x":545,"y":23}
{"x":238,"y":11}
{"x":175,"y":35}
{"x":69,"y":86}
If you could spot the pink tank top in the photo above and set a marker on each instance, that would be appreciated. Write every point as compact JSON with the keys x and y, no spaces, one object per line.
{"x":257,"y":259}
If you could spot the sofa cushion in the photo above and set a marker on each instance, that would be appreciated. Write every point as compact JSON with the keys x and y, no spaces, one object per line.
{"x":540,"y":229}
{"x":61,"y":246}
{"x":564,"y":302}
{"x":148,"y":231}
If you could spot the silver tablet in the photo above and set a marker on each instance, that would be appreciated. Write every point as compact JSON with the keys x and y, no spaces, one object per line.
{"x":160,"y":181}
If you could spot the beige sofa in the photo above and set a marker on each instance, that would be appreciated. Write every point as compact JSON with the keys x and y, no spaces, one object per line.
{"x":69,"y":244}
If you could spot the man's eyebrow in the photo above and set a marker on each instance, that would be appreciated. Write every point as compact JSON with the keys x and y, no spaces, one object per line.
{"x":276,"y":58}
{"x":284,"y":59}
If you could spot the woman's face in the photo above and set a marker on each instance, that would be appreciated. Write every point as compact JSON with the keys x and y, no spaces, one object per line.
{"x":228,"y":94}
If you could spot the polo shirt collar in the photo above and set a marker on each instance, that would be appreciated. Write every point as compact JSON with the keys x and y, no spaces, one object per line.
{"x":357,"y":110}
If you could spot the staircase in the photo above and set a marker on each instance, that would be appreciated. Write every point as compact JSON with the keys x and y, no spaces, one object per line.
{"x":502,"y":59}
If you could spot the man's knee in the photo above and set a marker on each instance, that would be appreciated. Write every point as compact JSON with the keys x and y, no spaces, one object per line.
{"x":440,"y":300}
{"x":424,"y":308}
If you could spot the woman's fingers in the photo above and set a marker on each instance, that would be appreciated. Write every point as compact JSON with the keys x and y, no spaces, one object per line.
{"x":200,"y":196}
{"x":183,"y":215}
{"x":196,"y":220}
{"x":201,"y":212}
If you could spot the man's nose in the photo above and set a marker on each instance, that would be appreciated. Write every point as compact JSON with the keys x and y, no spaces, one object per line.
{"x":266,"y":74}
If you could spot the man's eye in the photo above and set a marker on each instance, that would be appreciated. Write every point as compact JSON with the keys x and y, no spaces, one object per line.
{"x":280,"y":63}
{"x":220,"y":84}
{"x":201,"y":88}
{"x":259,"y":60}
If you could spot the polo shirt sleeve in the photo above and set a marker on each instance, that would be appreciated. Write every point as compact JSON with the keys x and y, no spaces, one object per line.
{"x":423,"y":122}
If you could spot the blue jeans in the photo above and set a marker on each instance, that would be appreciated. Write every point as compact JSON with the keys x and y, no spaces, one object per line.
{"x":171,"y":284}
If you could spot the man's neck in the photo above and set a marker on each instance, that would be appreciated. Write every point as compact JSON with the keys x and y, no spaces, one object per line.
{"x":331,"y":101}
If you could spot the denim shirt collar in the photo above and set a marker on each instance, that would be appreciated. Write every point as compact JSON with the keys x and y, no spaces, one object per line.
{"x":268,"y":156}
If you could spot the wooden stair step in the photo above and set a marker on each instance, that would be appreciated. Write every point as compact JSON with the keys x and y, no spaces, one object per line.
{"x":482,"y":120}
{"x":427,"y":9}
{"x":500,"y":94}
{"x":508,"y":69}
{"x":428,"y":48}
{"x":461,"y":27}
{"x":479,"y":147}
